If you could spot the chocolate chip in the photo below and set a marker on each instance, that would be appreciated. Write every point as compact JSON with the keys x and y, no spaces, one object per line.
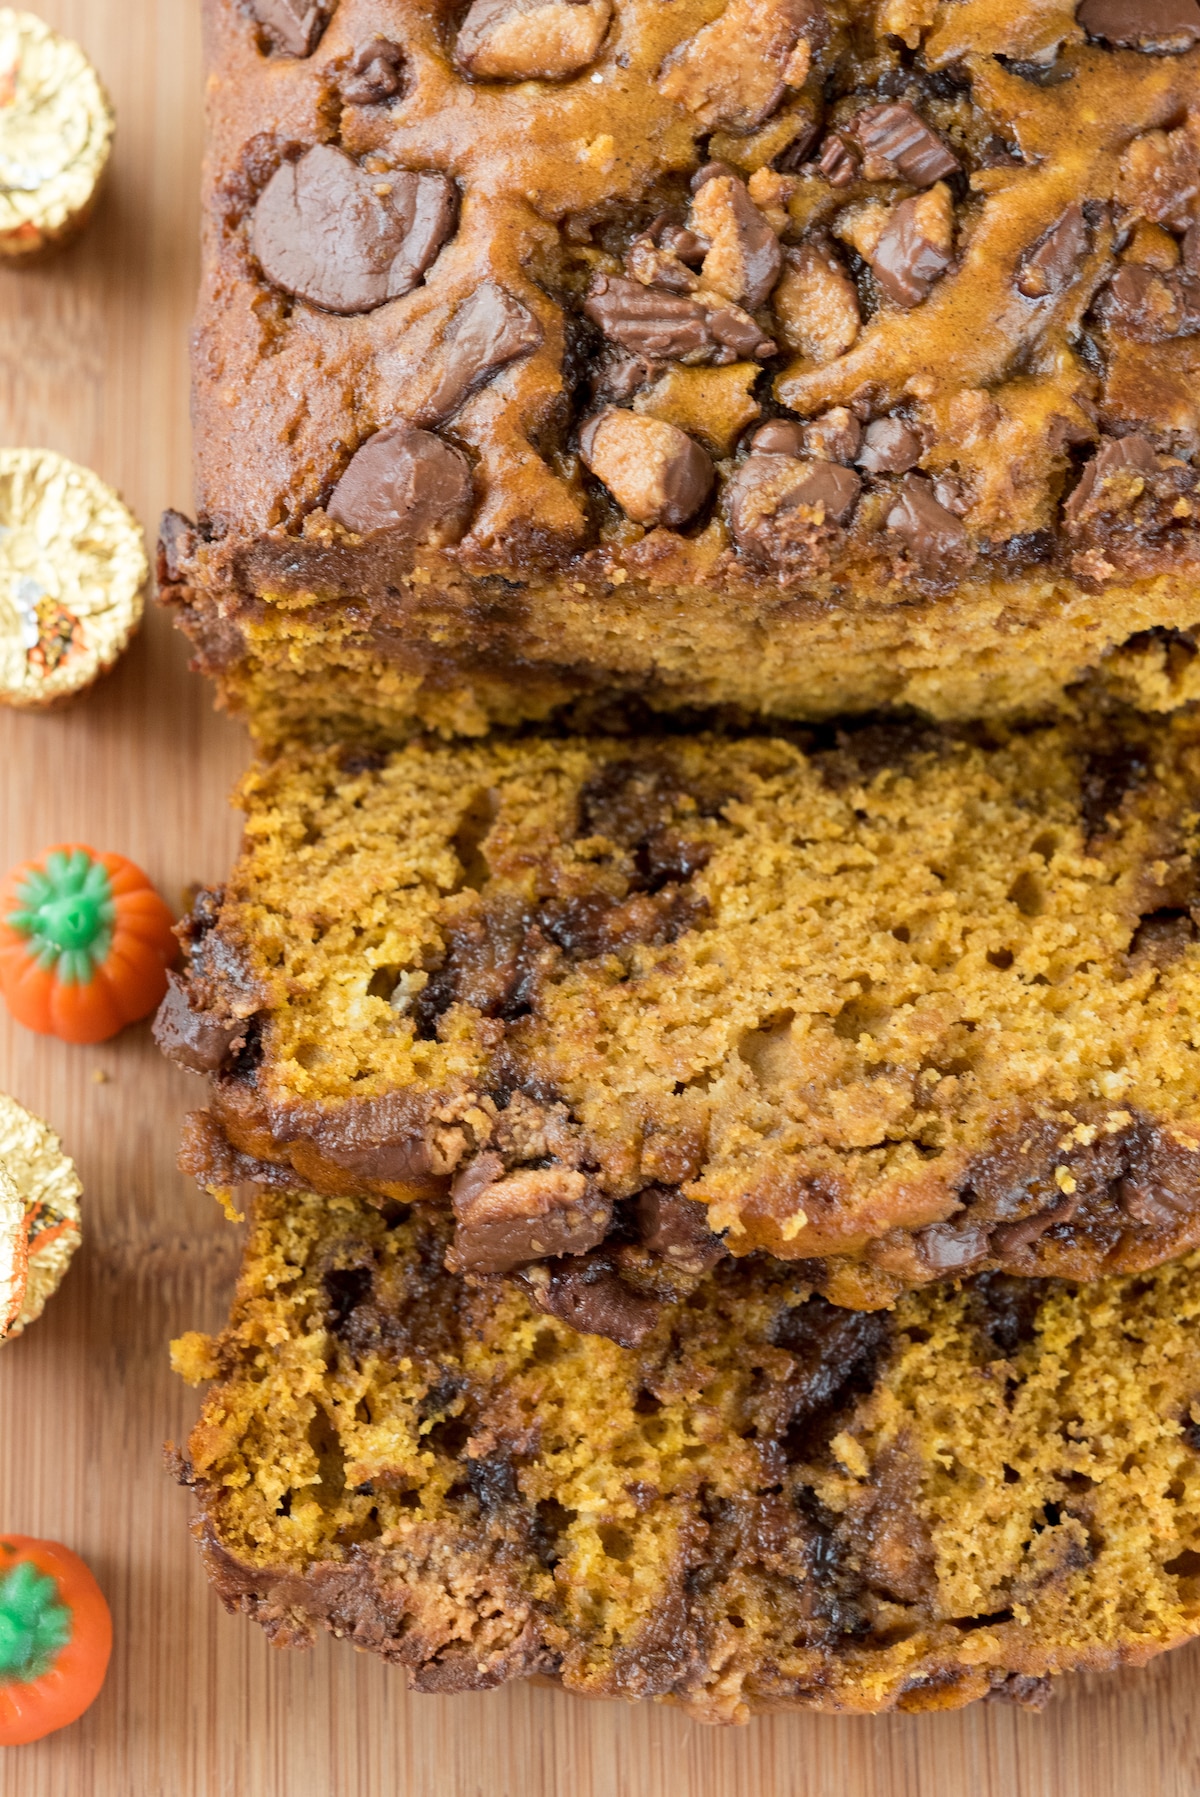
{"x":677,"y":1229}
{"x":837,"y":162}
{"x":294,"y":25}
{"x":506,"y":1220}
{"x":889,"y":447}
{"x":780,"y":436}
{"x":592,"y":1298}
{"x":915,"y":247}
{"x":190,"y":1037}
{"x":375,"y":74}
{"x":932,"y":535}
{"x":177,"y":543}
{"x":487,"y":332}
{"x":1055,"y":257}
{"x":744,"y":257}
{"x":655,"y":472}
{"x":525,"y":40}
{"x":896,"y":141}
{"x":408,"y":481}
{"x":1153,"y":25}
{"x":332,"y":234}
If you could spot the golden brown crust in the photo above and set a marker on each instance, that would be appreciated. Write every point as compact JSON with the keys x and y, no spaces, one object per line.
{"x":971,"y":264}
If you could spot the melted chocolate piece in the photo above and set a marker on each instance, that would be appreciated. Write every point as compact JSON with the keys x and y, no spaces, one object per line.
{"x":1151,"y":306}
{"x":906,"y":262}
{"x":487,"y":332}
{"x":1054,"y":260}
{"x":660,"y":326}
{"x":1152,"y":25}
{"x":745,"y":258}
{"x":652,"y":266}
{"x":177,"y":543}
{"x":896,"y":141}
{"x":592,"y":1297}
{"x":676,"y":1228}
{"x":193,"y":1038}
{"x":932,"y":535}
{"x":834,"y":437}
{"x":889,"y":447}
{"x":407,"y":481}
{"x":824,"y":489}
{"x":375,"y":74}
{"x":837,"y":162}
{"x":1117,"y":455}
{"x":294,"y":25}
{"x":506,"y":1220}
{"x":344,"y":240}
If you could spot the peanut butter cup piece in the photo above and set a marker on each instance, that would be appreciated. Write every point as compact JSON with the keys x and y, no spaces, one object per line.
{"x":590,"y":1295}
{"x":39,"y":1215}
{"x":896,"y":142}
{"x":375,"y":73}
{"x":1054,"y":260}
{"x":507,"y":1220}
{"x":933,"y":536}
{"x":916,"y":247}
{"x":189,"y":1035}
{"x":56,"y":129}
{"x":744,"y":257}
{"x":655,"y":472}
{"x":525,"y":40}
{"x":345,"y":240}
{"x":735,"y":70}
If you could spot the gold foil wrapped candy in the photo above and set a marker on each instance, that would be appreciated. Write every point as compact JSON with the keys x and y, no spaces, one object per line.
{"x":72,"y":569}
{"x":56,"y":127}
{"x":39,"y":1215}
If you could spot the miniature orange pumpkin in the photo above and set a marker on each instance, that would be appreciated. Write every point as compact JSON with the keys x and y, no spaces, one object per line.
{"x":85,"y":943}
{"x":55,"y":1638}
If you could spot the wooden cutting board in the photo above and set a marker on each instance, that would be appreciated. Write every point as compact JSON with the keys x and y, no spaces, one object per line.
{"x":93,"y":363}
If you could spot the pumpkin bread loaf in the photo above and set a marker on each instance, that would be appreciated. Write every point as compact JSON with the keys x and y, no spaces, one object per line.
{"x":770,"y":1502}
{"x":893,"y":1003}
{"x":808,"y":356}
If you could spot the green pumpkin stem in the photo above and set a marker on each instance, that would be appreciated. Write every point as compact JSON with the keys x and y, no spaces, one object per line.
{"x":67,"y":911}
{"x":34,"y":1625}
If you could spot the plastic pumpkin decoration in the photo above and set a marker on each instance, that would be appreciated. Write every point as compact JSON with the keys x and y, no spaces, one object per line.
{"x":55,"y":1638}
{"x":85,"y":943}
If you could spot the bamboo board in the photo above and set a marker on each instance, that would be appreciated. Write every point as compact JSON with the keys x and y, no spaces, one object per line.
{"x":93,"y":363}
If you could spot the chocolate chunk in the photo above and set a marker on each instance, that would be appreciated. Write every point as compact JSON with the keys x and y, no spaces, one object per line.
{"x":1154,"y":25}
{"x":505,"y":1220}
{"x":525,"y":40}
{"x":676,"y":1228}
{"x":294,"y":25}
{"x":678,"y":241}
{"x":915,"y":247}
{"x":896,"y":141}
{"x":193,"y":1038}
{"x":736,"y":69}
{"x":177,"y":543}
{"x":330,"y":233}
{"x":889,"y":447}
{"x":1149,"y":306}
{"x":744,"y":257}
{"x":652,"y":266}
{"x":780,"y":508}
{"x":837,"y":162}
{"x":487,"y":332}
{"x":1129,"y":456}
{"x":781,"y":436}
{"x":737,"y":336}
{"x":592,"y":1297}
{"x":932,"y":535}
{"x":816,"y":302}
{"x":951,"y":1247}
{"x":1054,"y":260}
{"x":408,"y":481}
{"x":833,"y":437}
{"x":375,"y":74}
{"x":655,"y":472}
{"x":648,"y":322}
{"x":711,"y":171}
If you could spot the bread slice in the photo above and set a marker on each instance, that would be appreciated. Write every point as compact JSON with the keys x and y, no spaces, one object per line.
{"x":770,"y":1502}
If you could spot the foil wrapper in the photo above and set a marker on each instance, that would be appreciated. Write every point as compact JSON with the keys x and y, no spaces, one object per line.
{"x":56,"y":127}
{"x":39,"y":1215}
{"x":72,"y":569}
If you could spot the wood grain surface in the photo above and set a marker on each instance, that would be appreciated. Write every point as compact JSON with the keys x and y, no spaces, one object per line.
{"x":93,"y":363}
